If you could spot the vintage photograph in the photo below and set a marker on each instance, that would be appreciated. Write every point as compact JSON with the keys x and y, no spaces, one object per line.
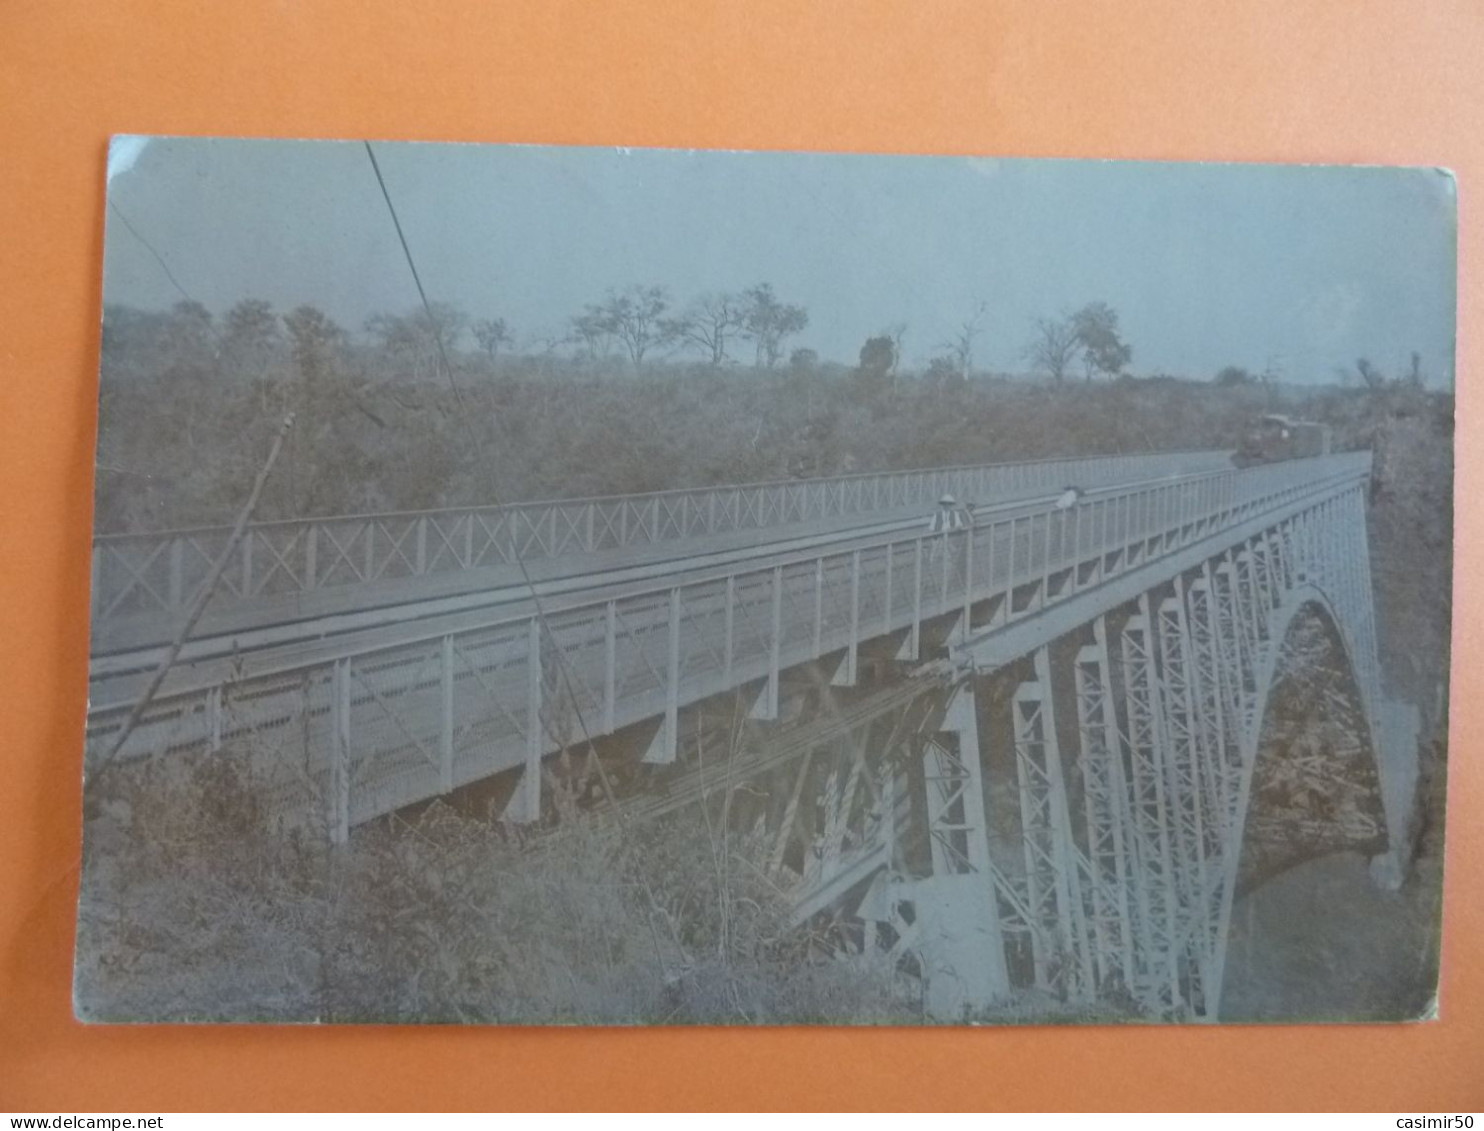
{"x":538,"y":585}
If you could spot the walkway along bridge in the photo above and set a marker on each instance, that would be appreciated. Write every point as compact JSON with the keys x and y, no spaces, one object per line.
{"x":1018,"y":754}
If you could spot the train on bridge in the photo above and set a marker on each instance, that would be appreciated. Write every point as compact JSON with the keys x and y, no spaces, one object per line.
{"x":1276,"y":437}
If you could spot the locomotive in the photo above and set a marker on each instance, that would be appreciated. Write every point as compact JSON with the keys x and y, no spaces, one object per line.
{"x":1275,"y":438}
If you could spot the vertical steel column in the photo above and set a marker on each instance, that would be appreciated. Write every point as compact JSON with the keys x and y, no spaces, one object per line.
{"x":1046,"y":561}
{"x":766,"y":707}
{"x":1010,"y":576}
{"x":945,"y":546}
{"x":914,"y":639}
{"x":445,"y":728}
{"x":968,"y":607}
{"x":845,"y":674}
{"x":886,"y":605}
{"x":818,"y":605}
{"x":340,"y":767}
{"x":667,"y":739}
{"x":525,"y":805}
{"x":729,"y":643}
{"x":610,"y":658}
{"x":1076,"y":546}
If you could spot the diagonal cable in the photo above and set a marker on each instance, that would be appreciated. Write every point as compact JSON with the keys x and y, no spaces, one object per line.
{"x":463,"y":415}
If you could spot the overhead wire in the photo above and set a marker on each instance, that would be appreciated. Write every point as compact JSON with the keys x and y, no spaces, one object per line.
{"x":463,"y":414}
{"x":149,"y":247}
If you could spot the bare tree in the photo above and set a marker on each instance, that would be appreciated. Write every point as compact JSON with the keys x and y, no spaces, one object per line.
{"x":709,"y":324}
{"x":960,"y":346}
{"x":636,"y":317}
{"x":1054,"y":347}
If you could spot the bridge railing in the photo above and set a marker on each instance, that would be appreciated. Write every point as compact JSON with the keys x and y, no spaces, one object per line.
{"x":162,"y":571}
{"x":382,"y":727}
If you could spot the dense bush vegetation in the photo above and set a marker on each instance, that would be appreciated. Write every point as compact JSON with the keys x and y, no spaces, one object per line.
{"x":189,"y":407}
{"x":199,"y":904}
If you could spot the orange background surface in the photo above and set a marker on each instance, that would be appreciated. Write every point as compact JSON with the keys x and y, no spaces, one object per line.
{"x":1288,"y":80}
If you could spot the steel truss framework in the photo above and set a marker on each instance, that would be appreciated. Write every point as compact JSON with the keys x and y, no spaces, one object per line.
{"x":1129,"y":844}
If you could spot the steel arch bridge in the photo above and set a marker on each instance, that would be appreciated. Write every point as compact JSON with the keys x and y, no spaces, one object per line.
{"x":1135,"y":738}
{"x":1018,"y":755}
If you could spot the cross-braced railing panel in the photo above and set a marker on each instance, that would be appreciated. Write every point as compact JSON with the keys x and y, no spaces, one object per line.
{"x":161,"y":572}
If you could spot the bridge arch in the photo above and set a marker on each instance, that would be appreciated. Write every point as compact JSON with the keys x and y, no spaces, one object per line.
{"x":1302,"y":600}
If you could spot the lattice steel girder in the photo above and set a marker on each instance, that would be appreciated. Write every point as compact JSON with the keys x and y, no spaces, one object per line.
{"x":1218,"y":710}
{"x":1185,"y":762}
{"x":1157,"y":888}
{"x":1105,"y":799}
{"x":1058,"y":931}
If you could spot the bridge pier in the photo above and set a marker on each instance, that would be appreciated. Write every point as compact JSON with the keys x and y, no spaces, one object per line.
{"x":962,"y":946}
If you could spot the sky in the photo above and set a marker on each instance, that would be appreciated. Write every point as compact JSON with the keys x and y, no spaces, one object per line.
{"x":1303,"y":267}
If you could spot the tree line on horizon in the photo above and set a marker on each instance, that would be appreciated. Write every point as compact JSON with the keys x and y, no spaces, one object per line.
{"x":638,"y":325}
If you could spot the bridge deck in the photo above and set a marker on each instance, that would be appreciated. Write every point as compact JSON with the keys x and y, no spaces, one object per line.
{"x":144,"y":584}
{"x":416,"y":718}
